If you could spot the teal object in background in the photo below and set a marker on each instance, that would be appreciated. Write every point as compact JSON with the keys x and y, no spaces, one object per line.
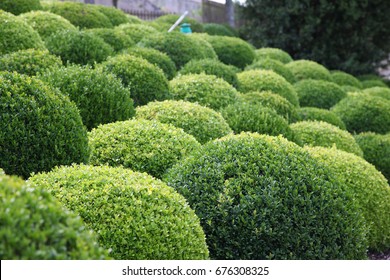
{"x":185,"y":28}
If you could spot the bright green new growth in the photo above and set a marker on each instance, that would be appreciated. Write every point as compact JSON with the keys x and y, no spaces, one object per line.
{"x":263,"y":197}
{"x":344,"y":79}
{"x":370,"y":190}
{"x":29,"y":62}
{"x":135,"y":216}
{"x":373,"y":83}
{"x":17,"y":7}
{"x":141,"y":145}
{"x":266,"y":80}
{"x":35,"y":226}
{"x":39,"y":129}
{"x":217,"y":29}
{"x":146,"y":81}
{"x":136,"y":31}
{"x":317,"y":114}
{"x":378,"y":91}
{"x":207,"y":90}
{"x":273,"y":53}
{"x":306,"y":69}
{"x":274,"y":65}
{"x":117,"y":39}
{"x":116,"y":16}
{"x":201,"y":122}
{"x":319,"y":133}
{"x":317,"y":93}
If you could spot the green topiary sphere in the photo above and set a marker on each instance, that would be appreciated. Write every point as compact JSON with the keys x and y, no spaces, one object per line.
{"x":201,"y":122}
{"x":116,"y":16}
{"x":134,"y":19}
{"x":344,"y":79}
{"x":306,"y":69}
{"x":373,"y":83}
{"x":78,"y":47}
{"x":29,"y":62}
{"x":266,"y":80}
{"x":378,"y":91}
{"x":263,"y":197}
{"x":349,"y":89}
{"x":317,"y":114}
{"x":39,"y":129}
{"x":370,"y":190}
{"x":211,"y":67}
{"x":136,"y":31}
{"x":376,"y":149}
{"x":17,"y":35}
{"x":117,"y":39}
{"x":207,"y":90}
{"x":17,"y":7}
{"x":100,"y":97}
{"x":317,"y":93}
{"x":273,"y":53}
{"x":274,"y":65}
{"x":217,"y":29}
{"x":135,"y":216}
{"x":363,"y":112}
{"x":319,"y":133}
{"x":146,"y":81}
{"x":171,"y":19}
{"x":141,"y":145}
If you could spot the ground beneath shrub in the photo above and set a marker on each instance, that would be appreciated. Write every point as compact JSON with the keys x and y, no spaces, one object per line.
{"x":379,"y":256}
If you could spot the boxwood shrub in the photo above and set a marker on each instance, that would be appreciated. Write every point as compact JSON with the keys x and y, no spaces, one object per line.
{"x":117,"y":39}
{"x":317,"y":93}
{"x":141,"y":145}
{"x":376,"y":149}
{"x":201,"y":122}
{"x":39,"y":129}
{"x":323,"y":134}
{"x":362,"y":112}
{"x":134,"y":19}
{"x":29,"y":62}
{"x":370,"y":189}
{"x":266,"y":80}
{"x":147,"y":81}
{"x":349,"y":89}
{"x":136,"y":31}
{"x":116,"y":16}
{"x":263,"y":197}
{"x":135,"y":216}
{"x":217,"y":29}
{"x":378,"y":91}
{"x":171,"y":19}
{"x":35,"y":226}
{"x":211,"y":67}
{"x":100,"y":97}
{"x":317,"y":114}
{"x":373,"y":83}
{"x":307,"y":69}
{"x":274,"y":65}
{"x":16,"y":35}
{"x":344,"y":79}
{"x":17,"y":7}
{"x":207,"y":90}
{"x":273,"y":53}
{"x":78,"y":47}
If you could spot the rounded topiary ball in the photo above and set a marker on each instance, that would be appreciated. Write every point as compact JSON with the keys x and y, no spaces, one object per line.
{"x":171,"y":19}
{"x":207,"y":90}
{"x":117,"y":39}
{"x":78,"y":47}
{"x":147,"y":82}
{"x":266,"y":80}
{"x":370,"y":190}
{"x":317,"y":114}
{"x":39,"y":129}
{"x":16,"y":35}
{"x":306,"y":69}
{"x":373,"y":83}
{"x":378,"y":91}
{"x":35,"y":226}
{"x":29,"y":62}
{"x":217,"y":29}
{"x":344,"y":79}
{"x":274,"y":65}
{"x":273,"y":53}
{"x":319,"y":133}
{"x":376,"y":149}
{"x":263,"y":197}
{"x":317,"y":93}
{"x":141,"y":145}
{"x":115,"y":15}
{"x":136,"y":31}
{"x":201,"y":122}
{"x":363,"y":112}
{"x":17,"y":7}
{"x":135,"y":216}
{"x":100,"y":97}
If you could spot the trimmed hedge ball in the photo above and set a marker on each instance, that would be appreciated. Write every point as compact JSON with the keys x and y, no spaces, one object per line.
{"x":117,"y":39}
{"x":201,"y":122}
{"x":373,"y":83}
{"x":141,"y":145}
{"x":344,"y":79}
{"x":274,"y":65}
{"x":378,"y":91}
{"x":116,"y":16}
{"x":135,"y":216}
{"x":211,"y":67}
{"x":35,"y":226}
{"x":273,"y":53}
{"x":366,"y":77}
{"x":100,"y":97}
{"x":134,"y":19}
{"x":147,"y":82}
{"x":171,"y":19}
{"x":29,"y":62}
{"x":40,"y":128}
{"x":136,"y":31}
{"x":207,"y":90}
{"x":370,"y":189}
{"x":317,"y":114}
{"x":17,"y":35}
{"x":319,"y":133}
{"x":217,"y":29}
{"x":155,"y":57}
{"x":317,"y":93}
{"x":307,"y":69}
{"x":363,"y":112}
{"x":17,"y":7}
{"x":349,"y":89}
{"x":78,"y":47}
{"x":376,"y":149}
{"x":263,"y":197}
{"x":46,"y":23}
{"x":266,"y":80}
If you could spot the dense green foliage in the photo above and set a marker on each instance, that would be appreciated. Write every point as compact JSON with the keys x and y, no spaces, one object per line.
{"x":273,"y":53}
{"x":317,"y":114}
{"x":39,"y":129}
{"x":117,"y":39}
{"x":17,"y":7}
{"x":263,"y":197}
{"x":306,"y":69}
{"x":201,"y":122}
{"x":373,"y":83}
{"x":171,"y":19}
{"x":136,"y":31}
{"x":134,"y":215}
{"x":323,"y":134}
{"x":274,"y":65}
{"x":217,"y":29}
{"x":344,"y":79}
{"x":378,"y":91}
{"x":116,"y":16}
